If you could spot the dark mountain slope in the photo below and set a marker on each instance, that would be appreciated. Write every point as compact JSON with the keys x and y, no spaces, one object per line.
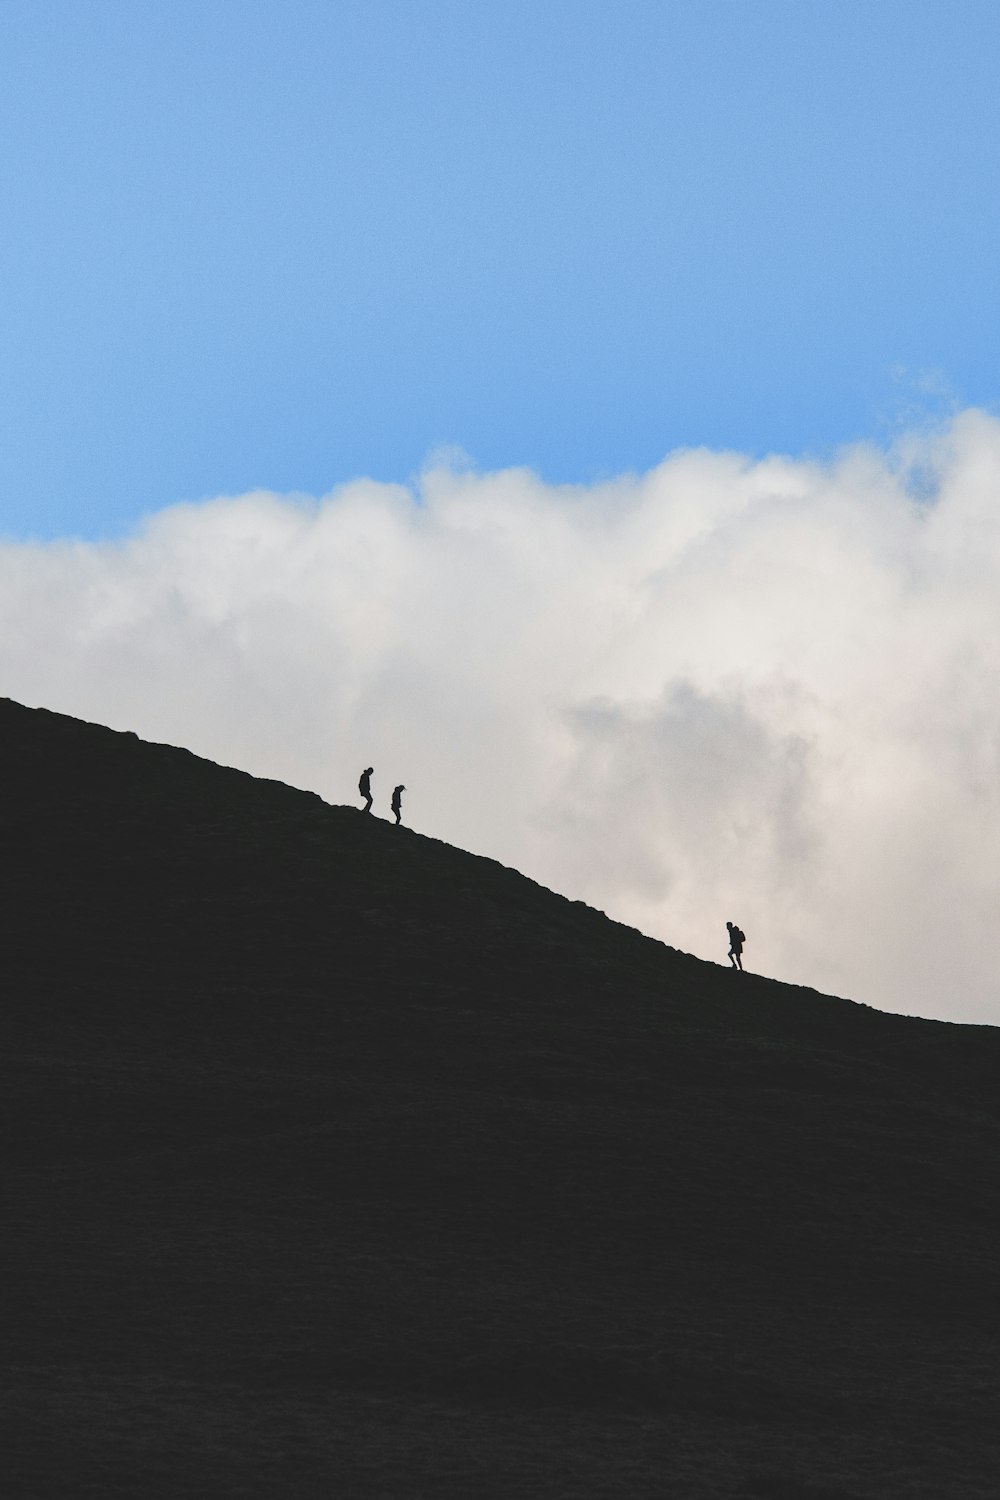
{"x":340,"y":1162}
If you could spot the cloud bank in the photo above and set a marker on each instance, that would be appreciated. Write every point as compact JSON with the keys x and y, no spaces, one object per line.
{"x":763,"y":691}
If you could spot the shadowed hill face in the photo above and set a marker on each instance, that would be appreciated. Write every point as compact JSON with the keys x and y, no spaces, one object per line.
{"x":343,"y":1161}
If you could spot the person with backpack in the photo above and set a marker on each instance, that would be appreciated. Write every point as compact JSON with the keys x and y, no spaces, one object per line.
{"x":365,"y":787}
{"x":736,"y":941}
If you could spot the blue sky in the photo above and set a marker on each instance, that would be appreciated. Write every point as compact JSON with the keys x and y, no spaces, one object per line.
{"x":261,"y":245}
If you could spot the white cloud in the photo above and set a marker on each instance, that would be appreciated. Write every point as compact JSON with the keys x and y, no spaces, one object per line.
{"x":726,"y":689}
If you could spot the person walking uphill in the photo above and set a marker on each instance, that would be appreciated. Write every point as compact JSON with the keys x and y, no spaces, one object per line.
{"x":397,"y":796}
{"x":736,"y":941}
{"x":365,"y":787}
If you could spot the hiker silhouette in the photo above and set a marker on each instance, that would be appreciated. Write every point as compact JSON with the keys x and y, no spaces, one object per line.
{"x":397,"y":802}
{"x":365,"y":787}
{"x":736,"y":941}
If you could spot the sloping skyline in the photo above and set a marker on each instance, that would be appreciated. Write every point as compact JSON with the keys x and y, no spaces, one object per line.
{"x":726,"y":689}
{"x":585,"y":414}
{"x":346,"y":1163}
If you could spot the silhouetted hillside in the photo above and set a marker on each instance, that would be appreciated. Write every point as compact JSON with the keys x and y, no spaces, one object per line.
{"x":343,"y":1163}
